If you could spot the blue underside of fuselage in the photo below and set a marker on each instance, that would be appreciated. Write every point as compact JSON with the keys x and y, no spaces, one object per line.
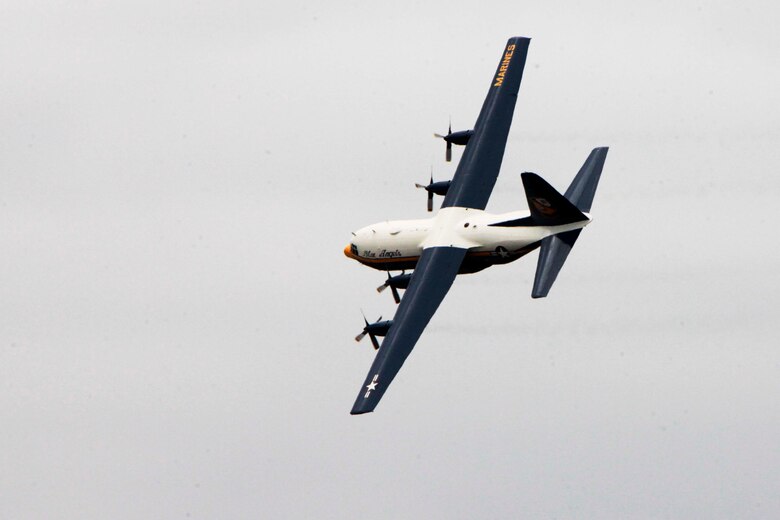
{"x":472,"y":263}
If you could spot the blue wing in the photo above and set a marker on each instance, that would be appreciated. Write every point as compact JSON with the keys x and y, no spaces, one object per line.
{"x":478,"y":168}
{"x":430,"y":282}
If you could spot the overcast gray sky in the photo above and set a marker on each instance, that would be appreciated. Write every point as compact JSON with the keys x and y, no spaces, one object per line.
{"x":178,"y":181}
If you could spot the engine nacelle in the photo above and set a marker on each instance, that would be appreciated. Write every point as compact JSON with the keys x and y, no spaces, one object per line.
{"x":460,"y":137}
{"x":399,"y":281}
{"x":378,"y":328}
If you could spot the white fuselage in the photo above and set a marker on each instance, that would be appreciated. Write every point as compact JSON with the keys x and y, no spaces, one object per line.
{"x":384,"y":244}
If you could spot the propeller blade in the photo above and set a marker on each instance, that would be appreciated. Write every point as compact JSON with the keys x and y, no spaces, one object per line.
{"x":374,"y":342}
{"x":420,"y":185}
{"x":384,"y":285}
{"x":430,"y":201}
{"x":396,"y":297}
{"x":449,"y":152}
{"x":360,"y":336}
{"x":449,"y":128}
{"x":439,"y":136}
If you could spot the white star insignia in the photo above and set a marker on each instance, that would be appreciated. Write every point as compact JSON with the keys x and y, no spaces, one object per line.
{"x":502,"y":252}
{"x":371,"y":386}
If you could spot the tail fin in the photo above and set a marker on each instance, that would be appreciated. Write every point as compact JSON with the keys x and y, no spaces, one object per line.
{"x":556,"y":248}
{"x":547,"y":206}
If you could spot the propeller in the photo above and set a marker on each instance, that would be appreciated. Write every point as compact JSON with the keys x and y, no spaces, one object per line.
{"x":362,"y":335}
{"x":374,"y":341}
{"x":439,"y":188}
{"x":399,"y":281}
{"x":378,"y":328}
{"x":448,"y":154}
{"x":430,"y":193}
{"x":460,"y":137}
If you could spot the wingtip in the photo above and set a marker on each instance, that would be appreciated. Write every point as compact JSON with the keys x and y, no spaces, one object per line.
{"x":520,"y":38}
{"x":359,"y":412}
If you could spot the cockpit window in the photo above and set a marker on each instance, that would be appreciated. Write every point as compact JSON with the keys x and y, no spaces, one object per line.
{"x":353,"y":249}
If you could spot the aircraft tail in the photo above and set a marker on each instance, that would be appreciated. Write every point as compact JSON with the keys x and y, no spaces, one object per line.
{"x":547,"y":206}
{"x":555,"y":249}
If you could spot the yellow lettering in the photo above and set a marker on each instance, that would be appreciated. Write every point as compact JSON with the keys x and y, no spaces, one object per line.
{"x":510,"y":50}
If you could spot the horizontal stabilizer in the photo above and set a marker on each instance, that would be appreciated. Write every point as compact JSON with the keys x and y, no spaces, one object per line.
{"x":552,"y":255}
{"x":583,"y":187}
{"x":555,"y":249}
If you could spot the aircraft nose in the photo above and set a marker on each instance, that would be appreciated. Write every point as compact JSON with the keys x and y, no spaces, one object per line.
{"x":350,"y":251}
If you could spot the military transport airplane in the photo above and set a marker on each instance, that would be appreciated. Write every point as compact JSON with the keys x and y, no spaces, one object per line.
{"x":463,"y":238}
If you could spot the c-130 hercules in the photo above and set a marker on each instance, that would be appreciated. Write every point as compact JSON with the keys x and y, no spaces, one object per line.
{"x":463,"y":238}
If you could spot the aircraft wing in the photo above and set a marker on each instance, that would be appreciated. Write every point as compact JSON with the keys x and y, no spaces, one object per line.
{"x":430,"y":282}
{"x":478,"y":168}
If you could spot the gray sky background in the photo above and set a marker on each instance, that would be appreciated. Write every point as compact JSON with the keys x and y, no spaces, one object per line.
{"x":178,"y":181}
